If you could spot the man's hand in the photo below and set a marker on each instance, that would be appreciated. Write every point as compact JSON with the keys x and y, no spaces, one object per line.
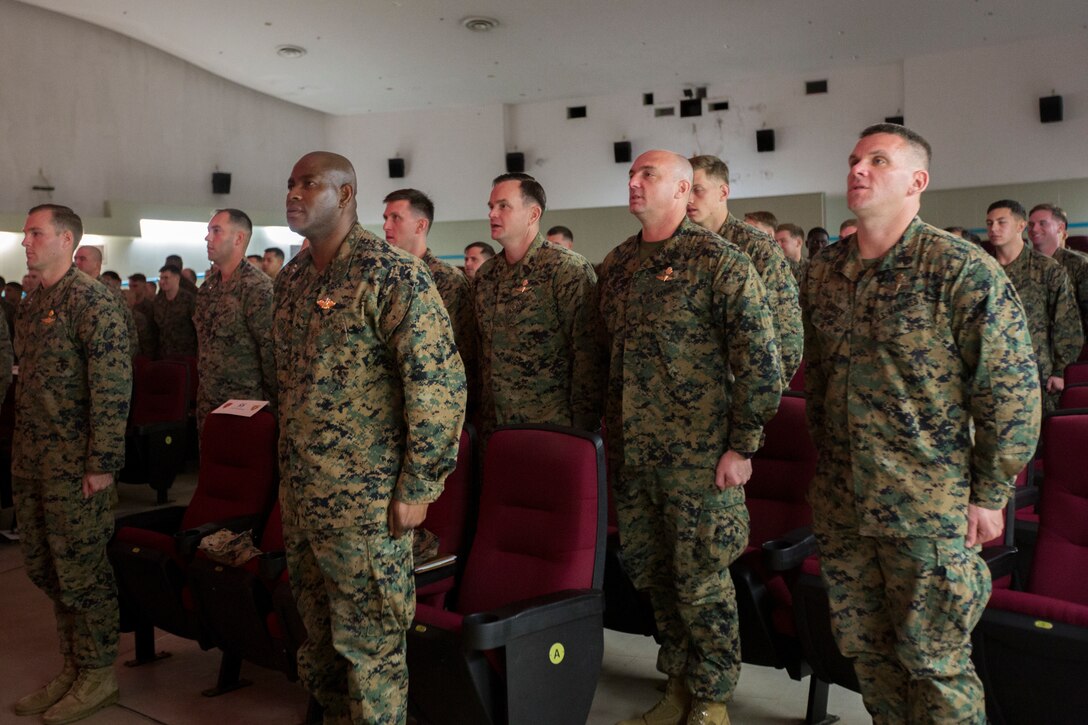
{"x":733,"y":470}
{"x":983,"y":524}
{"x":95,"y":482}
{"x":1055,"y":384}
{"x":403,"y":517}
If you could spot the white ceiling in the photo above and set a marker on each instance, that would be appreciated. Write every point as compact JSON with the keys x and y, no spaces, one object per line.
{"x":377,"y":55}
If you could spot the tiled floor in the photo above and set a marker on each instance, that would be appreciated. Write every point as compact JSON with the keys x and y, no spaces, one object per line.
{"x":168,"y":691}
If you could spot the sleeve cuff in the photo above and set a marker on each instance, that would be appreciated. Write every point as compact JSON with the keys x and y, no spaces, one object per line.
{"x":991,"y":494}
{"x":412,"y":489}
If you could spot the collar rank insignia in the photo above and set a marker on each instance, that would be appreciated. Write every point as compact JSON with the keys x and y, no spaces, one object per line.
{"x":899,"y":280}
{"x":325,"y":303}
{"x":50,"y":318}
{"x":666,"y":275}
{"x":522,"y":287}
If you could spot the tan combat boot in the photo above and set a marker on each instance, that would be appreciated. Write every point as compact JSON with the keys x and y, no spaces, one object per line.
{"x":41,"y":700}
{"x":92,"y":691}
{"x":705,"y":712}
{"x":672,"y":709}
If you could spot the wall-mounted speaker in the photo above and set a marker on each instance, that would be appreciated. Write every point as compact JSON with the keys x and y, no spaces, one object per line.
{"x":1050,"y":109}
{"x":622,"y":151}
{"x":220,"y":182}
{"x":765,"y":139}
{"x":515,"y":162}
{"x":396,"y":168}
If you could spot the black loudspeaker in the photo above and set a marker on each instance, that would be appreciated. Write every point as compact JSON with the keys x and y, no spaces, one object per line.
{"x":396,"y":168}
{"x":622,"y":152}
{"x":515,"y":162}
{"x":1050,"y":109}
{"x":220,"y":182}
{"x":765,"y":139}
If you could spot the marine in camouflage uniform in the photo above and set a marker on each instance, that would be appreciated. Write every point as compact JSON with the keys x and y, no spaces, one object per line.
{"x":770,"y":262}
{"x":904,"y":352}
{"x":694,"y":373}
{"x":1075,"y":265}
{"x":539,"y":351}
{"x":71,"y":408}
{"x":372,"y":403}
{"x":456,"y":293}
{"x":233,"y":323}
{"x":1048,"y":226}
{"x":174,"y":320}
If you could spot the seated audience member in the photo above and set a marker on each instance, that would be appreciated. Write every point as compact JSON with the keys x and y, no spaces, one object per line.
{"x":764,"y":221}
{"x":561,"y":235}
{"x":476,"y":254}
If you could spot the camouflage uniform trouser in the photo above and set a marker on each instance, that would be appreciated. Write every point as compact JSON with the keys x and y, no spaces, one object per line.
{"x":905,"y":608}
{"x":356,"y":596}
{"x":64,"y":537}
{"x":679,"y":535}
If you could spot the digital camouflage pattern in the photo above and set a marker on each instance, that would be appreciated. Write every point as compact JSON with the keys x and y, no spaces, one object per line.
{"x":456,"y":293}
{"x":234,"y":334}
{"x":694,"y":366}
{"x":781,"y":286}
{"x":7,"y":359}
{"x":679,"y":535}
{"x":901,"y":354}
{"x":71,"y":408}
{"x":1053,"y":319}
{"x":905,"y":608}
{"x":1076,"y":266}
{"x":147,"y":337}
{"x":130,"y":319}
{"x":372,"y":403}
{"x":174,"y":320}
{"x":694,"y":372}
{"x":539,"y":352}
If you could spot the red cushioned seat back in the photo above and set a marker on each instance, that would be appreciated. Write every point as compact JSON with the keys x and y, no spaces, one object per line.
{"x":797,"y":382}
{"x":447,"y":517}
{"x":542,"y":517}
{"x":1078,"y":242}
{"x":1060,"y":566}
{"x":160,"y":392}
{"x":238,"y":468}
{"x":190,"y":362}
{"x":1074,"y":396}
{"x":1076,"y":373}
{"x":781,"y":472}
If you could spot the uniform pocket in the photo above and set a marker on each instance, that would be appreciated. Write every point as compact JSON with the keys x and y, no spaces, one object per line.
{"x":953,"y":595}
{"x":710,"y":540}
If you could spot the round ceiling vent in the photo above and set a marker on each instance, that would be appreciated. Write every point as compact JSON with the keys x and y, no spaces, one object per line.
{"x":290,"y":51}
{"x":480,"y":24}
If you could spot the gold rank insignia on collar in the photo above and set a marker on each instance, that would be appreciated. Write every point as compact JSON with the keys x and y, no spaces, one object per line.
{"x":325,"y":303}
{"x":666,"y":275}
{"x":50,"y":318}
{"x":522,"y":287}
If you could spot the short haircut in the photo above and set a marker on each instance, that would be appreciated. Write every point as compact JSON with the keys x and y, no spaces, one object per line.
{"x":416,"y":199}
{"x":712,"y":166}
{"x":255,"y":257}
{"x":531,"y":190}
{"x":171,"y":268}
{"x":486,"y":249}
{"x":1055,"y":211}
{"x":912,"y":138}
{"x":239,"y":219}
{"x":851,"y":222}
{"x":792,"y":229}
{"x":15,"y":286}
{"x":275,"y":252}
{"x":1011,"y":204}
{"x":138,"y":277}
{"x":560,"y":229}
{"x":763,"y":217}
{"x":174,"y":259}
{"x":111,"y":275}
{"x":64,"y":219}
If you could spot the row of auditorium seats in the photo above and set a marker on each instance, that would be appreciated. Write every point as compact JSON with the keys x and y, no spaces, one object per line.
{"x":510,"y":631}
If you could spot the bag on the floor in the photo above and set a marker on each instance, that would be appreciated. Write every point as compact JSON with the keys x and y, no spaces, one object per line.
{"x":229,"y":547}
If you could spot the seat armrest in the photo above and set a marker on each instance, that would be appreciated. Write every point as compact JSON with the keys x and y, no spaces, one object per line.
{"x":1025,"y":496}
{"x":489,"y":630}
{"x":789,"y":550}
{"x":435,"y":570}
{"x":164,"y":520}
{"x":1000,"y":559}
{"x":188,"y":540}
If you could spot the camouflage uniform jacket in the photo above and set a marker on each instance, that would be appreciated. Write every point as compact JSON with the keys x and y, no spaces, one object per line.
{"x":7,"y":360}
{"x":372,"y":392}
{"x":782,"y":296}
{"x":234,"y":333}
{"x":456,"y":292}
{"x":174,"y":318}
{"x":694,"y":367}
{"x":1053,"y":320}
{"x":130,"y":319}
{"x":1076,"y":266}
{"x":539,"y":352}
{"x":901,"y":353}
{"x":75,"y":381}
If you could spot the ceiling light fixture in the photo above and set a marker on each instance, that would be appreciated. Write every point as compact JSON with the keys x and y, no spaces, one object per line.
{"x":290,"y":51}
{"x":479,"y":24}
